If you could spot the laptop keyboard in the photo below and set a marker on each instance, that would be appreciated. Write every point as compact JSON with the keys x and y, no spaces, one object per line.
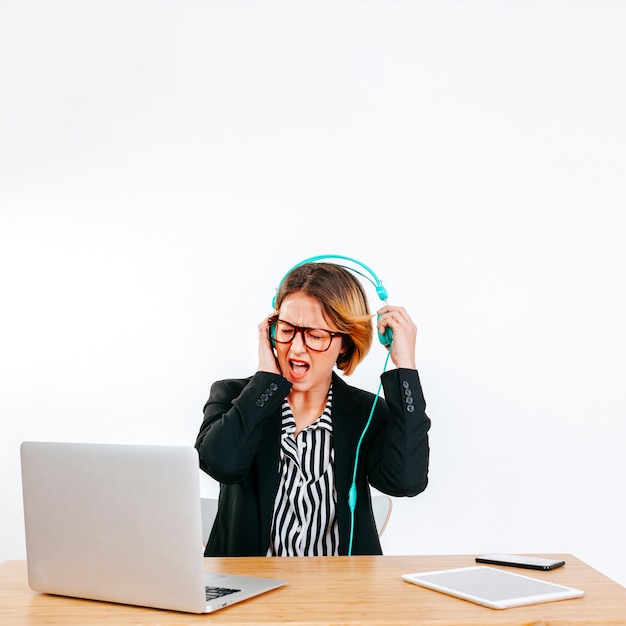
{"x":218,"y":592}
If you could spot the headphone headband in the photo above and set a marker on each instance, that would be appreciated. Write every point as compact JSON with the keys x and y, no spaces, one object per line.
{"x":380,"y":289}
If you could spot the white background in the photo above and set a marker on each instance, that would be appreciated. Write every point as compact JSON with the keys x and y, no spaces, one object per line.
{"x":163,"y":163}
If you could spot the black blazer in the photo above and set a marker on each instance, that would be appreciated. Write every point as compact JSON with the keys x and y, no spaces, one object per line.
{"x":239,"y":446}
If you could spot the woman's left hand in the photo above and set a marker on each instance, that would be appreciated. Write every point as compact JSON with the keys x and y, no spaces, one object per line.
{"x":404,"y":335}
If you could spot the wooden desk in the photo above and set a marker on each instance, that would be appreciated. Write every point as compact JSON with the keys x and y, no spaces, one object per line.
{"x":332,"y":590}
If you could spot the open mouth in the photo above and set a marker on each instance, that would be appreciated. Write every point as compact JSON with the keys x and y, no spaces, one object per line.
{"x":298,"y":369}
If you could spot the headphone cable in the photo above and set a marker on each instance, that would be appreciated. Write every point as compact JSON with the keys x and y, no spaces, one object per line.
{"x":352,"y":494}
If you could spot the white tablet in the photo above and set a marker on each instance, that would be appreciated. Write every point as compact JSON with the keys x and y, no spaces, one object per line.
{"x":495,"y":588}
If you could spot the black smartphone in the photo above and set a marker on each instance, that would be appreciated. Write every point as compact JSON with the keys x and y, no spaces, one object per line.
{"x":516,"y":560}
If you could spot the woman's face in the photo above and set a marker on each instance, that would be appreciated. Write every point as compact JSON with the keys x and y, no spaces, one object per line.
{"x":306,"y":369}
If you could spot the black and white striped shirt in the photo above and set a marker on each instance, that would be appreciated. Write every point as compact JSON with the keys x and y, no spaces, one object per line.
{"x":304,"y":522}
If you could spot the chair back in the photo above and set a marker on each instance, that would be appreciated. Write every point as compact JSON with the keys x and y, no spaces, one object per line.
{"x":382,"y":506}
{"x":209,"y":511}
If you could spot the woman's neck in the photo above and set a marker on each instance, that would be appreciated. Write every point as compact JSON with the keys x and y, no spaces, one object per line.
{"x":307,"y":406}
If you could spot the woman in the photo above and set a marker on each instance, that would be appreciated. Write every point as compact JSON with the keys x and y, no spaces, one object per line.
{"x":283,"y":443}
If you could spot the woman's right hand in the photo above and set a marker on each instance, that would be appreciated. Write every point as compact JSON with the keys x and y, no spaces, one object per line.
{"x":267,"y":359}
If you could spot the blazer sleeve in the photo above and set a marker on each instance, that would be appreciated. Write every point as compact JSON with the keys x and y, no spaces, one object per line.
{"x":398,"y":457}
{"x":235,"y":416}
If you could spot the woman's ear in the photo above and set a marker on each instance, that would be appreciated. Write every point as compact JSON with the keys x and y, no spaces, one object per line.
{"x":344,"y":348}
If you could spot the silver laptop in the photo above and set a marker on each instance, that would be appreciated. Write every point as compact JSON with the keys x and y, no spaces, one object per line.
{"x":122,"y":523}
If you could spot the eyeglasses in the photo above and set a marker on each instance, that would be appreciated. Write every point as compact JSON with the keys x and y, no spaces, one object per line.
{"x":317,"y":339}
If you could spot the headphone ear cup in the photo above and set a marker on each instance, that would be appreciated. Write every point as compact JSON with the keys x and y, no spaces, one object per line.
{"x":386,"y":337}
{"x":272,"y":334}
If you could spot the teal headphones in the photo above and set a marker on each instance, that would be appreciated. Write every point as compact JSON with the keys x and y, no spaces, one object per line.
{"x":386,"y":338}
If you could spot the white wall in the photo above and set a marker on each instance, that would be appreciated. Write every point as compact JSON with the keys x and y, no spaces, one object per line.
{"x":162,"y":164}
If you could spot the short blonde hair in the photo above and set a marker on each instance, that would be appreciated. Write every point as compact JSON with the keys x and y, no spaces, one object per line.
{"x":344,"y":304}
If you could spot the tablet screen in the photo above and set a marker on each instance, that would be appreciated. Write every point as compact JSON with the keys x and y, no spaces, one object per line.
{"x":492,"y":587}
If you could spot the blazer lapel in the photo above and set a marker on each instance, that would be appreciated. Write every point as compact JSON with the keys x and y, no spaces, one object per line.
{"x":347,"y":416}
